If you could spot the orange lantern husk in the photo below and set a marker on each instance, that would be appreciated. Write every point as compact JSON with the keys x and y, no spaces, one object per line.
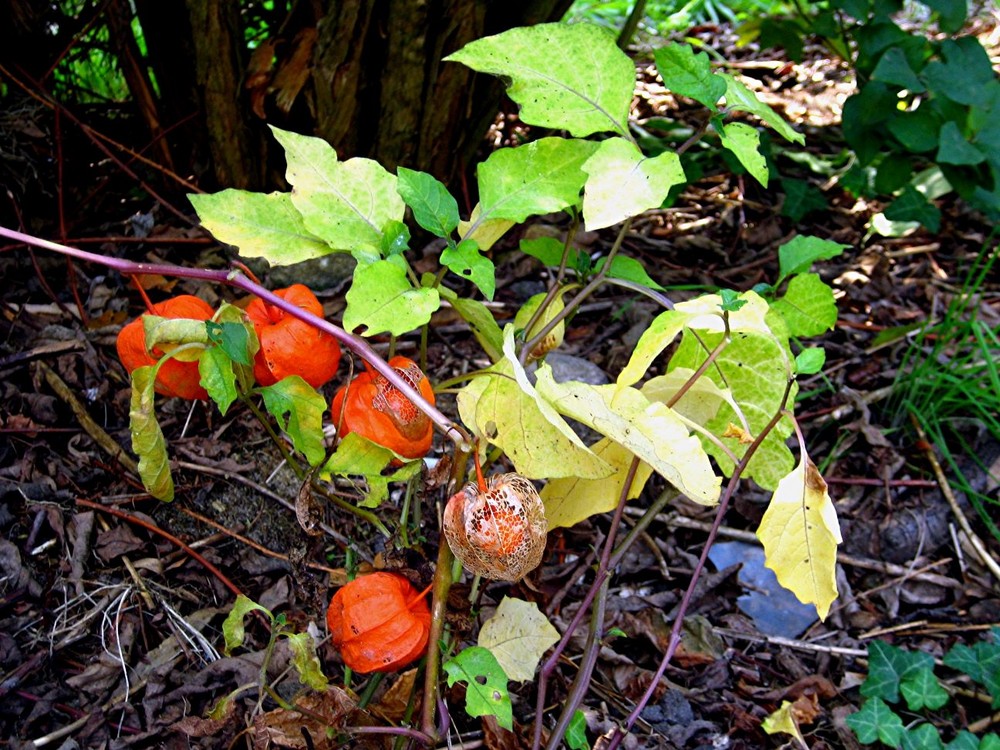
{"x":289,"y":346}
{"x":498,"y":530}
{"x":379,"y":622}
{"x":370,"y":406}
{"x":174,"y":378}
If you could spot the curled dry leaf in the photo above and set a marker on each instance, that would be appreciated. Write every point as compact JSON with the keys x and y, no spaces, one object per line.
{"x":174,"y":378}
{"x":289,"y":346}
{"x":497,"y":531}
{"x":379,"y":622}
{"x":370,"y":406}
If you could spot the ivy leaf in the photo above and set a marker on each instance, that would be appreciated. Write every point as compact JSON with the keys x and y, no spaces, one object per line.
{"x":148,"y":442}
{"x":954,"y":148}
{"x":345,"y":203}
{"x":261,"y":225}
{"x":807,"y":306}
{"x":517,"y":635}
{"x":801,"y":198}
{"x":876,"y":722}
{"x":382,"y":299}
{"x":564,"y":76}
{"x":921,"y":689}
{"x":800,"y":534}
{"x":232,"y":626}
{"x":486,"y":684}
{"x":744,"y":142}
{"x":569,"y":500}
{"x":466,"y":261}
{"x":650,"y":430}
{"x":888,"y":666}
{"x":925,"y":736}
{"x":505,"y":409}
{"x":799,"y":253}
{"x":434,"y":208}
{"x":622,"y":182}
{"x":739,"y":97}
{"x":912,"y":205}
{"x":298,"y":409}
{"x":981,"y":662}
{"x":537,"y":178}
{"x":689,"y":74}
{"x":306,"y":661}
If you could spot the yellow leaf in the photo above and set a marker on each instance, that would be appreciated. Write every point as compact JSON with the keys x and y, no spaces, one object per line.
{"x":572,"y":499}
{"x":518,"y":634}
{"x":647,"y":428}
{"x":782,"y":721}
{"x":505,"y":409}
{"x":800,"y":534}
{"x":484,"y":232}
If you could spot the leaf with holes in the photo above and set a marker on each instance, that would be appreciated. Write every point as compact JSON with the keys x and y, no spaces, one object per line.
{"x":486,"y":684}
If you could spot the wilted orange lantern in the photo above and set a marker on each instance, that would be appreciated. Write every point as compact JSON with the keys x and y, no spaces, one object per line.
{"x":289,"y":346}
{"x":497,"y":527}
{"x":370,"y":406}
{"x":379,"y":622}
{"x":175,"y":378}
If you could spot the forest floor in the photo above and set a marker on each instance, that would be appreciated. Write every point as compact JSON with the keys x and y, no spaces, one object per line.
{"x":110,"y":625}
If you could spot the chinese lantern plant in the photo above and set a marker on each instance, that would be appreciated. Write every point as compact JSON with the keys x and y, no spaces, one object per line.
{"x":290,"y":346}
{"x":379,"y":622}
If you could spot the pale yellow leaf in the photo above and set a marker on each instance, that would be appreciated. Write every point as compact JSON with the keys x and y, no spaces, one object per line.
{"x":647,"y":428}
{"x":572,"y":499}
{"x":800,"y":534}
{"x":782,"y":721}
{"x":517,"y":635}
{"x":484,"y":232}
{"x":505,"y":409}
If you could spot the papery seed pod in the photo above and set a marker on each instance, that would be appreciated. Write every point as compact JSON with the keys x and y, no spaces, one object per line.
{"x":497,"y":532}
{"x":289,"y":346}
{"x":375,"y":409}
{"x":379,"y":622}
{"x":175,"y":377}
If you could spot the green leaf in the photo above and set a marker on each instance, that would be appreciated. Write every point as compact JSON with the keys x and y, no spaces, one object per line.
{"x":955,"y":149}
{"x":921,"y":689}
{"x":148,"y":442}
{"x":622,"y":182}
{"x":486,"y":684}
{"x":466,"y":261}
{"x":629,"y":269}
{"x":434,"y":208}
{"x":537,"y":178}
{"x":306,"y":661}
{"x":801,"y":198}
{"x":912,"y":205}
{"x":888,"y":666}
{"x":517,"y":635}
{"x":980,"y":662}
{"x":744,"y":142}
{"x":576,"y":732}
{"x":964,"y":740}
{"x":359,"y":456}
{"x":383,"y":299}
{"x":505,"y":409}
{"x":549,"y":251}
{"x":799,"y":253}
{"x":876,"y":722}
{"x":807,"y":306}
{"x":481,"y":321}
{"x":731,"y":300}
{"x":990,"y":741}
{"x":395,"y":240}
{"x":298,"y":409}
{"x":260,"y":225}
{"x":689,"y":74}
{"x":232,"y":626}
{"x":924,"y":736}
{"x":233,"y":339}
{"x":739,"y":97}
{"x":345,"y":203}
{"x":215,"y":369}
{"x":894,"y":68}
{"x":917,"y":131}
{"x":810,"y":361}
{"x":964,"y":74}
{"x":564,"y":76}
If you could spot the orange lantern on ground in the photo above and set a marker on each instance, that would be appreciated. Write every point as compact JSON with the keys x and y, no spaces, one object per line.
{"x":379,"y":622}
{"x":289,"y":346}
{"x":370,"y":406}
{"x":175,"y":378}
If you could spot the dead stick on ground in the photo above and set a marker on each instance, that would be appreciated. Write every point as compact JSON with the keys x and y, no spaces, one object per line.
{"x":977,"y":544}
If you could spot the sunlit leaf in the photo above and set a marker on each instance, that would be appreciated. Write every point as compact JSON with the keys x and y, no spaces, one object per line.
{"x":517,"y":635}
{"x":382,"y":299}
{"x":298,"y":409}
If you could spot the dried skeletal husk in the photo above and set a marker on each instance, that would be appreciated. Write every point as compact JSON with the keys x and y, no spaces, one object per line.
{"x":498,"y":533}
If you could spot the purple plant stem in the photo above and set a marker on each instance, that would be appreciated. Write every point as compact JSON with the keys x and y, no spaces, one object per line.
{"x":239,"y":280}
